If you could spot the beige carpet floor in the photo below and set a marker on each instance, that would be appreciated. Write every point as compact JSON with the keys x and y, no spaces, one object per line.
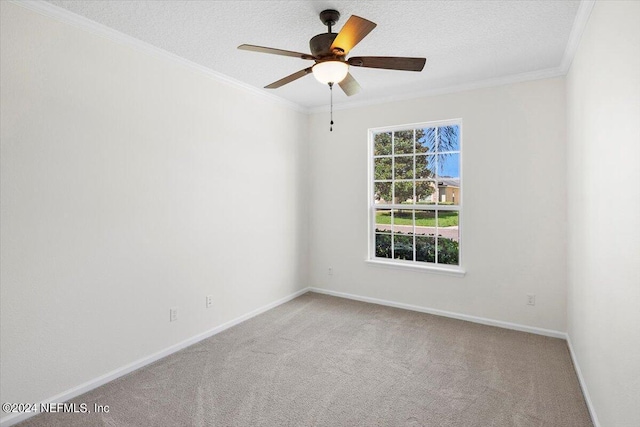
{"x":326,"y":361}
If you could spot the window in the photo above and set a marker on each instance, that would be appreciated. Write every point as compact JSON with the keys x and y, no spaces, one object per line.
{"x":415,"y":195}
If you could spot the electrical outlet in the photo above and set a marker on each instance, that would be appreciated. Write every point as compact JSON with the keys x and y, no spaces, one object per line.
{"x":531,"y":299}
{"x":209,"y":303}
{"x":330,"y":271}
{"x":173,"y":314}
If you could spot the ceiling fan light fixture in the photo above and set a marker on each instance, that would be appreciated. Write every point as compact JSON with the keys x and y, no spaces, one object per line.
{"x":330,"y":71}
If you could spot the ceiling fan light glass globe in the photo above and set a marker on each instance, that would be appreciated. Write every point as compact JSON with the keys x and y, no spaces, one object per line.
{"x":330,"y":71}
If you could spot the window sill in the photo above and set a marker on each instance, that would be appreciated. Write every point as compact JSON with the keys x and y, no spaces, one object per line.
{"x":449,"y":271}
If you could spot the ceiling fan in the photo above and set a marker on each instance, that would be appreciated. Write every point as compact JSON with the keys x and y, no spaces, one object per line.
{"x":329,"y":51}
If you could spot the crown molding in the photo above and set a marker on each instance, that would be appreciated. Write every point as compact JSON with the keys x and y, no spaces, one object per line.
{"x":480,"y":84}
{"x":78,"y":21}
{"x":68,"y":17}
{"x":579,"y":24}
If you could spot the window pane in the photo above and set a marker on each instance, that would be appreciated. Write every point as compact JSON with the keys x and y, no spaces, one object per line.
{"x":426,"y":166}
{"x":449,"y":165}
{"x":426,"y":192}
{"x":404,"y":167}
{"x":382,"y":192}
{"x":383,"y":245}
{"x":403,"y":142}
{"x":382,"y":168}
{"x":425,"y":249}
{"x":403,"y":221}
{"x":403,"y":192}
{"x":403,"y":247}
{"x":449,"y":179}
{"x":426,"y":223}
{"x":448,"y":191}
{"x":449,"y":138}
{"x":383,"y":220}
{"x":382,"y":144}
{"x":425,"y":140}
{"x":446,"y":220}
{"x":448,"y":251}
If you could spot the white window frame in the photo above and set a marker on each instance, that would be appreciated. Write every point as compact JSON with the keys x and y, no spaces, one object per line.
{"x":456,"y":270}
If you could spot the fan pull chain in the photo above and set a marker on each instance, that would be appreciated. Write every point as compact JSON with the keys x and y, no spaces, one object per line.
{"x":331,"y":123}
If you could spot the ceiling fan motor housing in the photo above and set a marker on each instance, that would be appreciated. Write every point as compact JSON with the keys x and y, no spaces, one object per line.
{"x":320,"y":45}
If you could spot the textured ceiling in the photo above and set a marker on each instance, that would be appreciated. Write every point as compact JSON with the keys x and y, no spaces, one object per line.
{"x":464,"y":41}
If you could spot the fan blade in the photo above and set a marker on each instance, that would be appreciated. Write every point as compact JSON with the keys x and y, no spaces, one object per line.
{"x":289,"y":79}
{"x":388,"y":62}
{"x":354,"y":30}
{"x":273,"y":51}
{"x":349,"y":85}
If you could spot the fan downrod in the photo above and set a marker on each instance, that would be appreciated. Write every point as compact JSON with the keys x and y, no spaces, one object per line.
{"x":329,"y":17}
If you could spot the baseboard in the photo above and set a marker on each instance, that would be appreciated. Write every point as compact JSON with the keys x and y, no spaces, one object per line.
{"x":117,"y":373}
{"x":583,"y":384}
{"x":459,"y":316}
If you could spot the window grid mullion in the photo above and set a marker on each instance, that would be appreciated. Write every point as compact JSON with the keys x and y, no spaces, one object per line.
{"x":437,"y":190}
{"x":393,"y":194}
{"x":393,"y":167}
{"x":415,"y":198}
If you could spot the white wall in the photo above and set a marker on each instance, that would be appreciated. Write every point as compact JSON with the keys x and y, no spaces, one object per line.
{"x":132,"y":184}
{"x":603,"y":100}
{"x":514,"y":204}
